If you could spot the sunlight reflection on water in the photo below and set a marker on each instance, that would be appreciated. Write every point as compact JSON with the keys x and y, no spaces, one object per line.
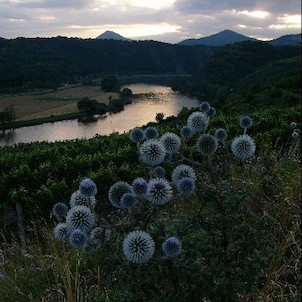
{"x":152,"y":99}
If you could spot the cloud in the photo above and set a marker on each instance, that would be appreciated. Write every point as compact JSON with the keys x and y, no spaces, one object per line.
{"x":51,"y":3}
{"x":163,"y":20}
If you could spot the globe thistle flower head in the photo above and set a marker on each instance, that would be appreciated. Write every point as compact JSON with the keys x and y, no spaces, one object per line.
{"x":168,"y":157}
{"x":171,"y":142}
{"x":293,"y":125}
{"x":117,"y":191}
{"x":80,"y":217}
{"x":138,"y":247}
{"x":59,"y":210}
{"x":139,"y":187}
{"x":99,"y":236}
{"x":128,"y":201}
{"x":78,"y":238}
{"x":198,"y":122}
{"x":221,"y":134}
{"x":159,"y":171}
{"x":243,"y":147}
{"x":204,"y":107}
{"x":186,"y":186}
{"x":79,"y":199}
{"x":137,"y":135}
{"x":207,"y":144}
{"x":186,"y":132}
{"x":150,"y":133}
{"x":245,"y":122}
{"x":88,"y":187}
{"x":212,"y":112}
{"x":295,"y":135}
{"x":182,"y":171}
{"x":61,"y":232}
{"x":159,"y":191}
{"x":171,"y":247}
{"x":152,"y":152}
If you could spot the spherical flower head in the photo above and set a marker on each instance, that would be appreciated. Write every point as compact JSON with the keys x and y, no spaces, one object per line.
{"x":245,"y":122}
{"x":159,"y":191}
{"x":186,"y":186}
{"x":137,"y":135}
{"x":59,"y":210}
{"x":99,"y":236}
{"x":78,"y":238}
{"x":151,"y":133}
{"x":171,"y":247}
{"x":168,"y":157}
{"x":79,"y":199}
{"x":139,"y":187}
{"x":88,"y":187}
{"x":182,"y":171}
{"x":186,"y":132}
{"x":204,"y":107}
{"x":159,"y":171}
{"x":243,"y":146}
{"x":152,"y":152}
{"x":212,"y":112}
{"x":61,"y":232}
{"x":171,"y":141}
{"x":117,"y":191}
{"x":221,"y":134}
{"x":198,"y":122}
{"x":295,"y":135}
{"x":207,"y":144}
{"x":293,"y":125}
{"x":80,"y":217}
{"x":128,"y":201}
{"x":138,"y":247}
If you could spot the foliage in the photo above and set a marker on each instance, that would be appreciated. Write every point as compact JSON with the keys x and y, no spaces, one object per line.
{"x":236,"y":244}
{"x":28,"y":63}
{"x":87,"y":104}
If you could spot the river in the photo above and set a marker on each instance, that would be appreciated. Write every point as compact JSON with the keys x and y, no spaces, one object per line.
{"x":153,"y":99}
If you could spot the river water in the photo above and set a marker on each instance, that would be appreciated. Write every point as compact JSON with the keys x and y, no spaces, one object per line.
{"x":142,"y":110}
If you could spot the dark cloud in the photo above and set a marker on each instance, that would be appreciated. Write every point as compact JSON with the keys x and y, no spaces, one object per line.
{"x":204,"y":6}
{"x":53,"y":4}
{"x":187,"y":18}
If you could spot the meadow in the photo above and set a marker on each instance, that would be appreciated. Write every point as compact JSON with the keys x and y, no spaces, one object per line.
{"x":60,"y":102}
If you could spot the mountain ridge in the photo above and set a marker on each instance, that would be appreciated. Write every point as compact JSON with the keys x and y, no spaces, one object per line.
{"x":111,"y":35}
{"x":219,"y":39}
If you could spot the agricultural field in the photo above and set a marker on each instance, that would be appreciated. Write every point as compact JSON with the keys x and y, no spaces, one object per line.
{"x":27,"y":107}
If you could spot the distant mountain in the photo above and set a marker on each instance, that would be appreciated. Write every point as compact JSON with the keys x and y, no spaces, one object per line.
{"x":220,"y":39}
{"x":111,"y":35}
{"x":287,"y":40}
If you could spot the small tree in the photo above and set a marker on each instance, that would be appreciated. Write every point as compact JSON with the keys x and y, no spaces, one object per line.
{"x":87,"y":104}
{"x":159,"y":117}
{"x":126,"y":93}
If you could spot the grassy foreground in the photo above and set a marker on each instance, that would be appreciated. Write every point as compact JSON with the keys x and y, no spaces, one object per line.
{"x":240,"y":232}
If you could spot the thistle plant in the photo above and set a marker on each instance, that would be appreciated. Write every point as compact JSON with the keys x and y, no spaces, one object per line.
{"x":169,"y":179}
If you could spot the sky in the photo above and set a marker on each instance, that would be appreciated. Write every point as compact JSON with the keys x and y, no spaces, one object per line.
{"x":168,"y":21}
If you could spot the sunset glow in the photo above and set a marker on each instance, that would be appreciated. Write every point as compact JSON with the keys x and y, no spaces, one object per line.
{"x":168,"y":21}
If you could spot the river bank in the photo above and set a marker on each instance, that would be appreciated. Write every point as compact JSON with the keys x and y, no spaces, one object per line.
{"x":148,"y":101}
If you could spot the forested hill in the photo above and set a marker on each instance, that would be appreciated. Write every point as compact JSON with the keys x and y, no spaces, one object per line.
{"x":44,"y":62}
{"x":27,"y":63}
{"x":233,"y":62}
